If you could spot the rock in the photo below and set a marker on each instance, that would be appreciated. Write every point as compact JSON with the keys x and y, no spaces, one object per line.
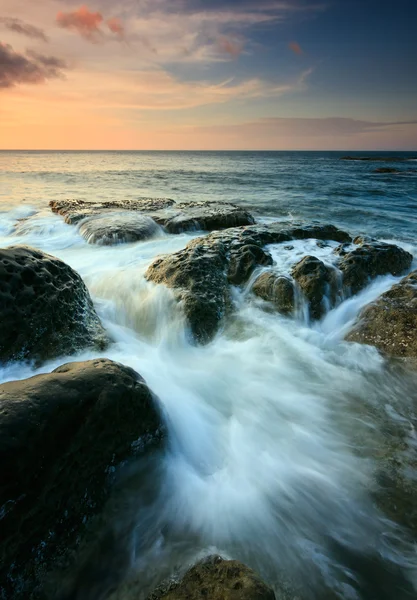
{"x":208,"y":216}
{"x":371,"y":260}
{"x":276,"y":289}
{"x":75,"y":211}
{"x":342,"y":249}
{"x":45,"y":307}
{"x":200,"y":274}
{"x":390,"y":323}
{"x":386,"y":170}
{"x":318,"y":282}
{"x":380,"y":158}
{"x":174,"y":217}
{"x":243,"y":263}
{"x":216,"y":579}
{"x":116,"y":228}
{"x":61,"y":436}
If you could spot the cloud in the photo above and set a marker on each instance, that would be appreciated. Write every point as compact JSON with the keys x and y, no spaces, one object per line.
{"x":116,"y":26}
{"x":83,"y":21}
{"x":19,"y":26}
{"x":296,"y":48}
{"x":34,"y":68}
{"x":230,"y":46}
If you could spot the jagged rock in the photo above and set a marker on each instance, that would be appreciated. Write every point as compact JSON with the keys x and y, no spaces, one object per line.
{"x":243,"y":263}
{"x":390,"y":323}
{"x":61,"y":435}
{"x":370,"y":260}
{"x":276,"y":289}
{"x":216,"y":579}
{"x":174,"y":217}
{"x":116,"y":228}
{"x":317,"y":282}
{"x":199,"y":273}
{"x":45,"y":307}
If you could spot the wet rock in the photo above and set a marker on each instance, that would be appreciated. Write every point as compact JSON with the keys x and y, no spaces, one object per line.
{"x":342,"y":249}
{"x":387,"y":170}
{"x":217,"y":579}
{"x":390,"y":323}
{"x":243,"y":263}
{"x":75,"y":211}
{"x":61,"y":436}
{"x":276,"y":289}
{"x":116,"y":228}
{"x":318,"y":282}
{"x":45,"y":307}
{"x":208,"y":216}
{"x":200,"y":274}
{"x":174,"y":217}
{"x":370,"y":260}
{"x":380,"y":158}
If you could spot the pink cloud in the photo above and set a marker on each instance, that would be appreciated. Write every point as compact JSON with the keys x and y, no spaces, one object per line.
{"x":296,"y":48}
{"x":116,"y":26}
{"x":82,"y":20}
{"x":230,"y":46}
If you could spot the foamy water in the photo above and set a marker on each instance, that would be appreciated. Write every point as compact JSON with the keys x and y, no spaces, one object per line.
{"x":263,"y":463}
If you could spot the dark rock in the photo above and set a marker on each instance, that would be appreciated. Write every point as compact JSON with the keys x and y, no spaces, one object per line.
{"x":380,"y":158}
{"x":243,"y":263}
{"x":116,"y":228}
{"x":342,"y":249}
{"x":386,"y":170}
{"x":61,"y":435}
{"x":45,"y":307}
{"x":371,"y":260}
{"x":207,"y":216}
{"x":390,"y":323}
{"x":360,"y":240}
{"x":276,"y":289}
{"x":216,"y":579}
{"x":199,"y":273}
{"x":317,"y":282}
{"x":174,"y":217}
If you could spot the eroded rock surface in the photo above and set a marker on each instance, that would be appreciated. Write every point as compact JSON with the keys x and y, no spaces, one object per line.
{"x":390,"y":323}
{"x":277,"y":289}
{"x":173,"y":217}
{"x":61,"y":435}
{"x":45,"y":307}
{"x":319,"y":284}
{"x":370,"y":260}
{"x":200,"y":274}
{"x":217,"y":579}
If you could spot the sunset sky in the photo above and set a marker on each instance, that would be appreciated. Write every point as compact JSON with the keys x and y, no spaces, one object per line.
{"x":208,"y":74}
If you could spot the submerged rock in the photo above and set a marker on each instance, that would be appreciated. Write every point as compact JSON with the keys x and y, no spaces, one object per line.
{"x":61,"y":435}
{"x":216,"y":579}
{"x":318,"y":282}
{"x":370,"y":260}
{"x":45,"y":307}
{"x":174,"y":217}
{"x":200,"y":274}
{"x":116,"y":228}
{"x":390,"y":323}
{"x":277,"y":289}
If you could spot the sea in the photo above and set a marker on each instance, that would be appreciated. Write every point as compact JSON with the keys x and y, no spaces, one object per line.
{"x":277,"y":427}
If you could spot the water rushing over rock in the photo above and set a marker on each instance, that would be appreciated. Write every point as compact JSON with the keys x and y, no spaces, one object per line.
{"x":288,"y":448}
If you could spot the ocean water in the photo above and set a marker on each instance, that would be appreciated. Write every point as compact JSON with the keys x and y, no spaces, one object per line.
{"x":276,"y":427}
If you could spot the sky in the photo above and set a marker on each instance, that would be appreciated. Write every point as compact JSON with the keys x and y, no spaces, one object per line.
{"x":208,"y":74}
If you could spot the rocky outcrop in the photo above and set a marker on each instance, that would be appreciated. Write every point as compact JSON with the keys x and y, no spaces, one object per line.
{"x":390,"y":323}
{"x":200,"y":274}
{"x":61,"y":435}
{"x":277,"y":289}
{"x":116,"y":228}
{"x":318,"y":283}
{"x":370,"y":260}
{"x":45,"y":308}
{"x":217,"y":579}
{"x":173,"y":217}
